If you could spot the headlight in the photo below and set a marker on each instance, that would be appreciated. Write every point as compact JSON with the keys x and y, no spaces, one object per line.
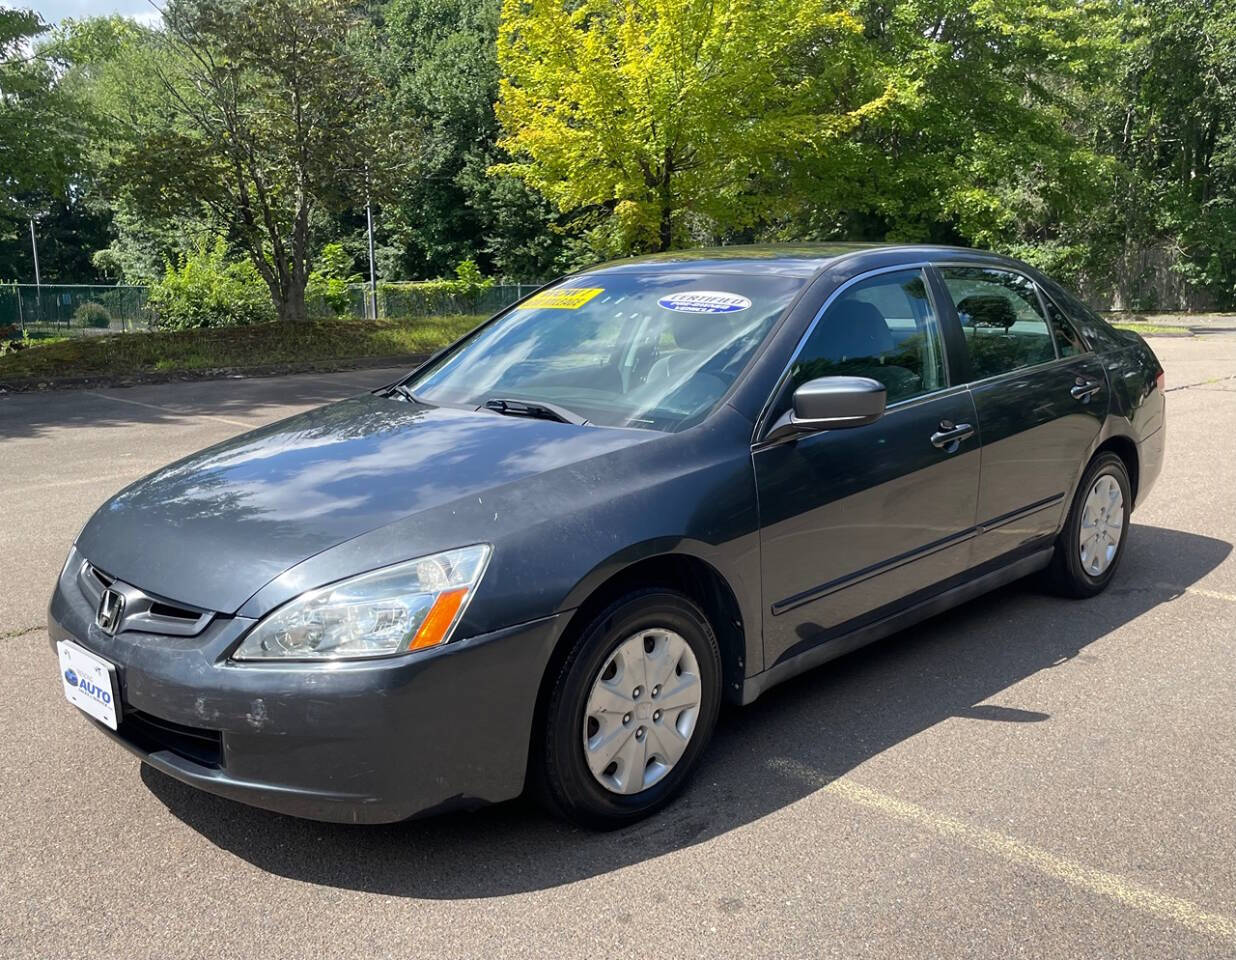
{"x":408,"y":606}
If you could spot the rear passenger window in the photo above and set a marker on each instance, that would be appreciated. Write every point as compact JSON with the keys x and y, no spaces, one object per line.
{"x":1001,"y":318}
{"x":882,"y":328}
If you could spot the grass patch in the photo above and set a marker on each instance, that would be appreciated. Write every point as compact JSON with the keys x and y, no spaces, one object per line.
{"x":1151,"y":329}
{"x":235,"y":348}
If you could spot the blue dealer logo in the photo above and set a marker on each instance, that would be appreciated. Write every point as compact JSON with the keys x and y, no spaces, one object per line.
{"x":86,"y":686}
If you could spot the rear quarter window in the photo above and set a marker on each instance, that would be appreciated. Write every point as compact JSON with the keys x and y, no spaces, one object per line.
{"x":1096,"y":331}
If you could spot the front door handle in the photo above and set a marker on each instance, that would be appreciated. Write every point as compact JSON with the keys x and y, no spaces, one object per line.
{"x":1084,"y":389}
{"x":950,"y":435}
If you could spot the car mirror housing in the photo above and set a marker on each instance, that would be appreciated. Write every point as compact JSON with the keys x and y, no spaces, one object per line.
{"x":832,"y":403}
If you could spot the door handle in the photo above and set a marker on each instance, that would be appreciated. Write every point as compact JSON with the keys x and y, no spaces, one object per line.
{"x":1084,"y":389}
{"x":950,"y":435}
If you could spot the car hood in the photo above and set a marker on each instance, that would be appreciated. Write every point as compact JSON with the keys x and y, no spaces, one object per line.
{"x":210,"y":530}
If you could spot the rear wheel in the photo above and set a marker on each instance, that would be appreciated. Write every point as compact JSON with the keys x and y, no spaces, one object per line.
{"x":631,"y":710}
{"x":1092,"y":542}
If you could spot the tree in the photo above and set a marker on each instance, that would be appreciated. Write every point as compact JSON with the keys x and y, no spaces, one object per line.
{"x":646,"y":113}
{"x":38,"y":142}
{"x":987,"y":143}
{"x":1171,"y":120}
{"x":440,"y":62}
{"x":260,"y":112}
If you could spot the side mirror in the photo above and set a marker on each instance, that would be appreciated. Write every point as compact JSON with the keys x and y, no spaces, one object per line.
{"x":832,"y":403}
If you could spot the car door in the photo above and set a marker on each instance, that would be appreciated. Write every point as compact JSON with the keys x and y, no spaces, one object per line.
{"x":855,"y":520}
{"x":1041,"y":398}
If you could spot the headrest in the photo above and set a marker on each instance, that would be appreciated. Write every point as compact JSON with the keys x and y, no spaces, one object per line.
{"x":986,"y":310}
{"x":857,"y":329}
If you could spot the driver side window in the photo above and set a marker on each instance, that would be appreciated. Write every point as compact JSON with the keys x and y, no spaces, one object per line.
{"x":882,"y":328}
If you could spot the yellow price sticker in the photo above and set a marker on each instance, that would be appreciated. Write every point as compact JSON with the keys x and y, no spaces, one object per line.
{"x":569,"y":298}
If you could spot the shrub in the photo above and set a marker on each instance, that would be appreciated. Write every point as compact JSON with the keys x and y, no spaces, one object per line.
{"x":205,"y":289}
{"x":91,"y":314}
{"x":328,"y":289}
{"x":465,"y":294}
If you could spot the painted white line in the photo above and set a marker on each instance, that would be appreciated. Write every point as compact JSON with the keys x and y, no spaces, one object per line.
{"x":117,"y":478}
{"x":178,"y":413}
{"x":349,"y":383}
{"x":1127,"y":892}
{"x":1198,"y":591}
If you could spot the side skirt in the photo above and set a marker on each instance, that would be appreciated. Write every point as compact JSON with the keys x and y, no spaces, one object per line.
{"x":836,"y":647}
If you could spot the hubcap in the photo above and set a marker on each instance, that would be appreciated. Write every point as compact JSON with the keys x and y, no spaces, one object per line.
{"x":641,"y":711}
{"x":1102,"y":525}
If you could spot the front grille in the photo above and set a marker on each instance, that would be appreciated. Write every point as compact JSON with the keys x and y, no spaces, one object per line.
{"x":170,"y":612}
{"x":143,"y":611}
{"x":102,"y":578}
{"x":151,"y":733}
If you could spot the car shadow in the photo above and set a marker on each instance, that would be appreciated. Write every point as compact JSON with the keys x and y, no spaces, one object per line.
{"x":825,"y":722}
{"x":41,"y":414}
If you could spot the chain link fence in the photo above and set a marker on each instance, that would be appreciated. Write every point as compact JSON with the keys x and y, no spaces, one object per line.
{"x":71,"y":310}
{"x":61,"y":310}
{"x":417,"y":300}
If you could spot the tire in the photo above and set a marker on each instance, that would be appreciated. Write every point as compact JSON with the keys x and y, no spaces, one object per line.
{"x":585,"y":717}
{"x":1074,"y":572}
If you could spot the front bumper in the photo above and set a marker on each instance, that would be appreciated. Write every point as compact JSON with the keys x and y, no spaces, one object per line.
{"x":362,"y":742}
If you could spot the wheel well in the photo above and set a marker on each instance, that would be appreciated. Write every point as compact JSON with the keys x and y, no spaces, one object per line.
{"x":1126,"y":450}
{"x":681,"y":572}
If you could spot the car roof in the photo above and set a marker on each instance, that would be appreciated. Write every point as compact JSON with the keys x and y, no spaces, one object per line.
{"x":803,"y":260}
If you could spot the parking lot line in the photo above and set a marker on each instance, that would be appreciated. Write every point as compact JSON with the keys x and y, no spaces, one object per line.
{"x":117,"y":478}
{"x":1131,"y":894}
{"x":179,"y":413}
{"x":350,"y":383}
{"x":1198,"y":591}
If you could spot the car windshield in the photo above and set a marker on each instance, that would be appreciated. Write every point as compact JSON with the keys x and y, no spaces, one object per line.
{"x":655,"y":350}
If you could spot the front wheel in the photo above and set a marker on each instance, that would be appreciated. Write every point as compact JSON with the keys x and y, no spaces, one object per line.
{"x":631,"y":710}
{"x":1092,"y":542}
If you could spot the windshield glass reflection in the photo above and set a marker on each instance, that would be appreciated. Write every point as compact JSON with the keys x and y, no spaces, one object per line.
{"x":654,"y":350}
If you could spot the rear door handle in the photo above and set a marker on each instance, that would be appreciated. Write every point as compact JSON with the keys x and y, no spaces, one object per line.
{"x":1083,"y":390}
{"x":950,"y":435}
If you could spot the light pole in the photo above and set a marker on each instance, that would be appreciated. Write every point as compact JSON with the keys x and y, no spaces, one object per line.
{"x":373,"y":277}
{"x":38,"y":282}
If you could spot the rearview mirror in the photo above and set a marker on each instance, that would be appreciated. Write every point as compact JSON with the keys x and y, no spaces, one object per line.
{"x":832,"y":403}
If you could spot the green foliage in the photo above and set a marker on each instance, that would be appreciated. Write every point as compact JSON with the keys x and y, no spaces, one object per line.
{"x":40,"y":147}
{"x":206,"y":289}
{"x":468,"y":275}
{"x":467,"y":293}
{"x":91,"y":314}
{"x":30,"y":107}
{"x":329,"y":283}
{"x":1171,"y":119}
{"x":647,"y":113}
{"x":439,"y":59}
{"x":321,"y":345}
{"x":977,"y":147}
{"x":252,"y":114}
{"x":1096,"y":139}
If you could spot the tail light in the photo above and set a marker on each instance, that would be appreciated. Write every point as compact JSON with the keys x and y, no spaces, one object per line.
{"x":1159,"y":381}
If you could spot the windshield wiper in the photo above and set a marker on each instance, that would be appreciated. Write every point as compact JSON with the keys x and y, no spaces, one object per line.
{"x":404,"y":391}
{"x":533,"y":408}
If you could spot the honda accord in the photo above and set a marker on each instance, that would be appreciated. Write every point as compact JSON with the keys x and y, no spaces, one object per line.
{"x":547,"y":555}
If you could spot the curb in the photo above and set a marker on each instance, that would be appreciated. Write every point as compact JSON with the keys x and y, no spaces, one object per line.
{"x":44,"y":384}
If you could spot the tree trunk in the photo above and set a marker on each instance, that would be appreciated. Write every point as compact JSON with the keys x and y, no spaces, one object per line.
{"x":292,"y":309}
{"x":667,"y":205}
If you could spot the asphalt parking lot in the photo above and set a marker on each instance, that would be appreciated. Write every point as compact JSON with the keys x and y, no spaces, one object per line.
{"x":1025,"y":776}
